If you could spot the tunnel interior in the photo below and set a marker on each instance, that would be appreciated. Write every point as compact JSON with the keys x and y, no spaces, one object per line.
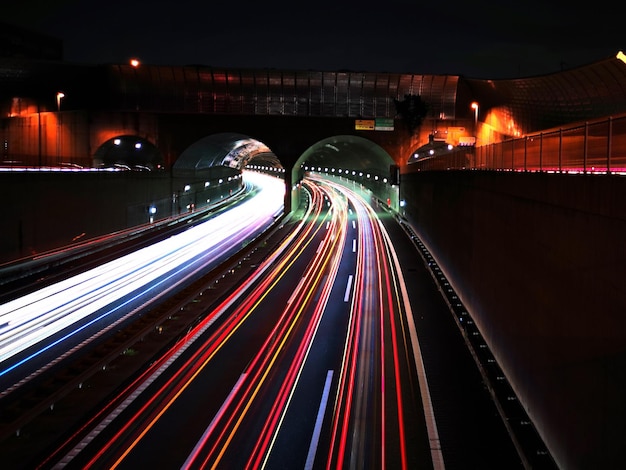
{"x":345,"y":154}
{"x":228,"y":149}
{"x":351,"y":159}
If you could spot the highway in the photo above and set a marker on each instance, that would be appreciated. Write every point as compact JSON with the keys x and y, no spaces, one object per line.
{"x":308,"y":363}
{"x":310,"y":360}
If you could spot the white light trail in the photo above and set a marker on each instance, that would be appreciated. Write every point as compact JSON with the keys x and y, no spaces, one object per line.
{"x":31,"y":319}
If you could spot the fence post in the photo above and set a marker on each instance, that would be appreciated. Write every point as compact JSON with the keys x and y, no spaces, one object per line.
{"x":608,"y":145}
{"x":585,"y":147}
{"x":525,"y":154}
{"x":560,"y":150}
{"x":541,"y":151}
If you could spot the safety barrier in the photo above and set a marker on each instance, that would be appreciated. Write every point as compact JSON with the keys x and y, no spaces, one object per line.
{"x":597,"y":147}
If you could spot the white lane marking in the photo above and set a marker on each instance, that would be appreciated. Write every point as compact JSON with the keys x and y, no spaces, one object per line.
{"x":346,"y":296}
{"x":318,"y":422}
{"x":211,"y":426}
{"x":429,"y":414}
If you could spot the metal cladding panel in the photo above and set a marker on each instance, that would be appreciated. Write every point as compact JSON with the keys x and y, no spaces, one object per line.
{"x":438,"y":91}
{"x":275,"y":92}
{"x":205,"y":89}
{"x":548,"y":101}
{"x":342,"y":93}
{"x":220,"y":91}
{"x":248,"y":92}
{"x":175,"y":95}
{"x":381,"y":96}
{"x":185,"y":82}
{"x":290,"y":102}
{"x":235,"y":97}
{"x":355,"y":93}
{"x":303,"y":93}
{"x":261,"y":92}
{"x":315,"y":93}
{"x":449,"y":96}
{"x":405,"y":86}
{"x":329,"y":97}
{"x":394,"y":84}
{"x":206,"y":95}
{"x":368,"y":91}
{"x":151,"y":100}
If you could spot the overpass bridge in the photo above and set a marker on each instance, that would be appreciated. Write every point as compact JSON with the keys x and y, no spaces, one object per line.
{"x":534,"y":247}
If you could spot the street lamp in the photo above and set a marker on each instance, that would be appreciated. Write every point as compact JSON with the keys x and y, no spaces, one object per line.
{"x":60,"y":95}
{"x":474,"y":106}
{"x":134,"y":63}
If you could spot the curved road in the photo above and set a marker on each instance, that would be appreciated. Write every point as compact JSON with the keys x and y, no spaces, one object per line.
{"x":310,"y":364}
{"x":312,"y":361}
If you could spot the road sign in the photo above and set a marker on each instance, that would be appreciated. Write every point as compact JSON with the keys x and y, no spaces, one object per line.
{"x":383,"y":124}
{"x":364,"y":125}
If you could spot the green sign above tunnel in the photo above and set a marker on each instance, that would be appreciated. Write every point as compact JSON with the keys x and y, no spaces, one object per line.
{"x":383,"y":124}
{"x":378,"y":124}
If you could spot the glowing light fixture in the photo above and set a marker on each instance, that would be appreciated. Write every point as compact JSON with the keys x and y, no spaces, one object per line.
{"x":474,"y":106}
{"x":60,"y":96}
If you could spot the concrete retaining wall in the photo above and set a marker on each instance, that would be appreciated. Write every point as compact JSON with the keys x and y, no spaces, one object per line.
{"x":42,"y":211}
{"x":539,"y":260}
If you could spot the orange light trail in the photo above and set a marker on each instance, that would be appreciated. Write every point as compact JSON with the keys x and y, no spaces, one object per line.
{"x":375,"y":293}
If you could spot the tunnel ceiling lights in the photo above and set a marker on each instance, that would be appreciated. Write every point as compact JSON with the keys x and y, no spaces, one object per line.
{"x":118,"y":142}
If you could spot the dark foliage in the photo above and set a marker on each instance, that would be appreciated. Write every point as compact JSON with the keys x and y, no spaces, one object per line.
{"x":412,"y":110}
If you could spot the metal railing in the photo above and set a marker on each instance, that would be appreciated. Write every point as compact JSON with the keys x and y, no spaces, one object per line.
{"x":597,"y":147}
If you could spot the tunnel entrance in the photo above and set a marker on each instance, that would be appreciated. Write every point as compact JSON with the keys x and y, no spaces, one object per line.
{"x":210,"y":169}
{"x":351,"y":159}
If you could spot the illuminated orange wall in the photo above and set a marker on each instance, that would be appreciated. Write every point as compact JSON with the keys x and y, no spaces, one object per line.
{"x":50,"y":139}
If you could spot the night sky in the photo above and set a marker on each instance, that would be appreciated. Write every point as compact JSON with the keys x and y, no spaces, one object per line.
{"x":479,"y":39}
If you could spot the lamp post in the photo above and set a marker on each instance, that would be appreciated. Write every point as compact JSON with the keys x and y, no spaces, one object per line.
{"x":39,"y":133}
{"x":474,"y":106}
{"x":60,"y":96}
{"x":134,"y":63}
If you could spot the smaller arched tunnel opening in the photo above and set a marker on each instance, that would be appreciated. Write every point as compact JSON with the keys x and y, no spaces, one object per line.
{"x":128,"y":152}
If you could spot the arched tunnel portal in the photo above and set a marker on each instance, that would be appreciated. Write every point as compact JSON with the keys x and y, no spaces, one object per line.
{"x":348,"y":157}
{"x":218,"y":159}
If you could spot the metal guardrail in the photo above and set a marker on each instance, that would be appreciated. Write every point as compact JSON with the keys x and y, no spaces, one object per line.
{"x":594,"y":147}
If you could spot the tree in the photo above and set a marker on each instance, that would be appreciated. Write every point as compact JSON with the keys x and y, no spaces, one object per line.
{"x":413,"y":110}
